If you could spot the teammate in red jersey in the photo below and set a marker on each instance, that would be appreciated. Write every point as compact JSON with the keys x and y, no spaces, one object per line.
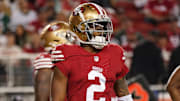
{"x":95,"y":70}
{"x":173,"y":85}
{"x":53,"y":34}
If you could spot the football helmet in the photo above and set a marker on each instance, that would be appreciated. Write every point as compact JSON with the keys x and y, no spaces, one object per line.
{"x":54,"y":34}
{"x":91,"y":25}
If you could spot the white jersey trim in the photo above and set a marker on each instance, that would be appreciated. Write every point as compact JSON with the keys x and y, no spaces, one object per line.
{"x":43,"y":59}
{"x":56,"y":52}
{"x":43,"y":63}
{"x":43,"y":66}
{"x":56,"y":60}
{"x":57,"y":56}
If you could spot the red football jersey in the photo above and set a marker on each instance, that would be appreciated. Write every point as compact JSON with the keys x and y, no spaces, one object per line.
{"x":92,"y":76}
{"x":43,"y":61}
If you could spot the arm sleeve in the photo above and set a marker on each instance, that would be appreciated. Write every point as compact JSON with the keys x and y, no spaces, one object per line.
{"x":124,"y":69}
{"x":63,"y":66}
{"x":123,"y":72}
{"x":43,"y":61}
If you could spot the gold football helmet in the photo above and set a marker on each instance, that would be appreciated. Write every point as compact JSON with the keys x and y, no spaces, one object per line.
{"x":55,"y":34}
{"x":91,"y":25}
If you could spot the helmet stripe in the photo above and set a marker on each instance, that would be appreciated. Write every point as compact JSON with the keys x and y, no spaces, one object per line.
{"x":104,"y":12}
{"x":79,"y":11}
{"x":100,"y":9}
{"x":96,"y":7}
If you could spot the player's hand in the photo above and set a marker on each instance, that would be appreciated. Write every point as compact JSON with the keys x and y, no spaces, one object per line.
{"x":43,"y":62}
{"x":57,"y":55}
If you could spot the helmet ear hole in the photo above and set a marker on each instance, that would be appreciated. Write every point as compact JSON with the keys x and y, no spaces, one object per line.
{"x":69,"y":37}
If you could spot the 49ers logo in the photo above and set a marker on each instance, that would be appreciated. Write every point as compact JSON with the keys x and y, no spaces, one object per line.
{"x":79,"y":10}
{"x":54,"y":27}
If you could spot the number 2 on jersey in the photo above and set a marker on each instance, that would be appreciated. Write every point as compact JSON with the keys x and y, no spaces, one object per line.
{"x":94,"y":87}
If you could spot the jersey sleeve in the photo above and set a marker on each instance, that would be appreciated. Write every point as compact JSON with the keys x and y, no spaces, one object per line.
{"x":63,"y":66}
{"x":123,"y":68}
{"x":57,"y":54}
{"x":43,"y":61}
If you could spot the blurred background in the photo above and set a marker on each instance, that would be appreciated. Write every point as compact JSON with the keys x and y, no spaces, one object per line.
{"x":148,"y":30}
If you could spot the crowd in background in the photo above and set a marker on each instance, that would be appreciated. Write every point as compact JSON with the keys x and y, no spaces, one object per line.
{"x":148,"y":30}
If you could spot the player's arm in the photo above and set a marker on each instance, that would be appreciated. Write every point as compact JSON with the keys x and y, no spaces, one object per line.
{"x":42,"y":77}
{"x":121,"y":90}
{"x":121,"y":87}
{"x":173,"y":85}
{"x":59,"y":86}
{"x":174,"y":93}
{"x":42,"y":84}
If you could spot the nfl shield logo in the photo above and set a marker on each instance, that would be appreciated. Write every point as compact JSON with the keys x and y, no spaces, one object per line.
{"x":96,"y":58}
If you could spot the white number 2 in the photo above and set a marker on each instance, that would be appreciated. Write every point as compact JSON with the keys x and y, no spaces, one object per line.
{"x":94,"y":87}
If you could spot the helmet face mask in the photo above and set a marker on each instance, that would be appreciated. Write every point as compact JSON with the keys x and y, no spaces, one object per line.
{"x":98,"y":31}
{"x":91,"y":26}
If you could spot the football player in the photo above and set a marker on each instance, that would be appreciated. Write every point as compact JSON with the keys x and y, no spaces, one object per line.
{"x":95,"y":69}
{"x":53,"y":34}
{"x":173,"y":85}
